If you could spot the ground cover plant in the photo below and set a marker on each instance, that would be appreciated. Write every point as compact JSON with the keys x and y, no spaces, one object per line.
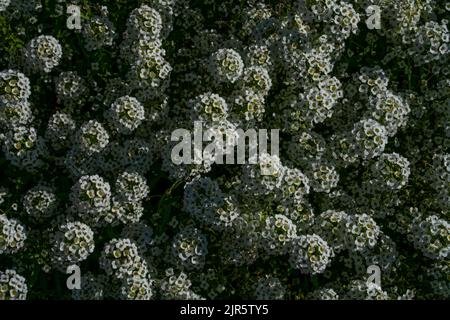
{"x":91,"y":92}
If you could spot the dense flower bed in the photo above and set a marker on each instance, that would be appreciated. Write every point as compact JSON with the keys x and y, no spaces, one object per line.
{"x":362,"y":178}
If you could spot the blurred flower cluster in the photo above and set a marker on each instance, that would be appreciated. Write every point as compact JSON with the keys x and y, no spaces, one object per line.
{"x":362,"y":177}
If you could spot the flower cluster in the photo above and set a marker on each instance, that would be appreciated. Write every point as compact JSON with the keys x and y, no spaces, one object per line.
{"x":12,"y":286}
{"x":72,"y":243}
{"x":43,"y":53}
{"x":310,"y":254}
{"x":12,"y":236}
{"x":126,"y":114}
{"x":40,"y":202}
{"x":90,"y":196}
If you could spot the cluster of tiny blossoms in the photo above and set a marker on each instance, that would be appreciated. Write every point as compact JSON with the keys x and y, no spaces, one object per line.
{"x":361,"y":180}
